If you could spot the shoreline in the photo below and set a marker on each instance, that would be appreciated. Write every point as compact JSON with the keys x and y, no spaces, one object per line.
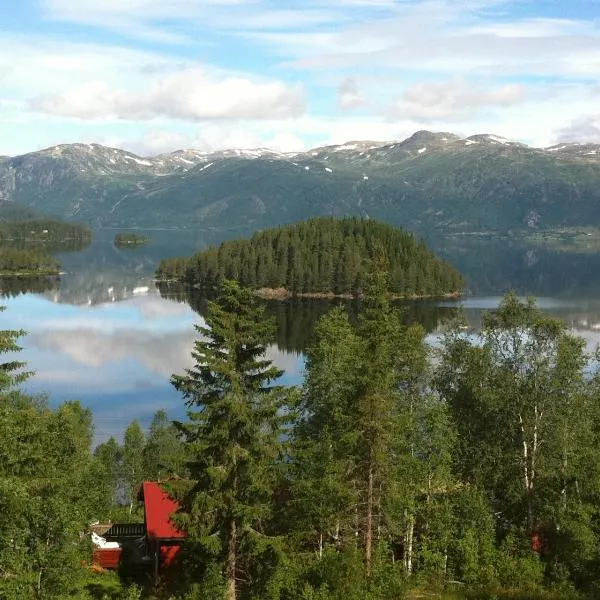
{"x":9,"y":274}
{"x":284,"y":294}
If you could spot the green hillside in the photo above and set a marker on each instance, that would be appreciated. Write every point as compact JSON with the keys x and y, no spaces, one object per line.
{"x":319,"y":256}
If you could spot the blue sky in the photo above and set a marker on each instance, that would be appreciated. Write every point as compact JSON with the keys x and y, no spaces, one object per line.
{"x":156,"y":75}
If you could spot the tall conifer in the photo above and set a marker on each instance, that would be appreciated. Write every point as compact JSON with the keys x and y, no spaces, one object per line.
{"x":234,"y":433}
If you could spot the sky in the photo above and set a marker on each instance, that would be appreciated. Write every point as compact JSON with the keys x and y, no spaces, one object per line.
{"x":152,"y":76}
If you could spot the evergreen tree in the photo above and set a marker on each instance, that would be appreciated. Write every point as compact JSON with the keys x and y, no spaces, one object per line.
{"x":354,"y":443}
{"x":322,"y":255}
{"x":324,"y":447}
{"x":45,"y":468}
{"x":233,"y":436}
{"x":134,"y":442}
{"x":164,"y":453}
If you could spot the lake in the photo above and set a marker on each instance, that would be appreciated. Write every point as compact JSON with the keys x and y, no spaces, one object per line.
{"x":105,"y":335}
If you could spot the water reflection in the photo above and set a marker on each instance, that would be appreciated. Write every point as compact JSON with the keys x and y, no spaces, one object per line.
{"x":16,"y":286}
{"x":117,"y":358}
{"x":496,"y":266}
{"x":296,"y":319}
{"x":104,"y":334}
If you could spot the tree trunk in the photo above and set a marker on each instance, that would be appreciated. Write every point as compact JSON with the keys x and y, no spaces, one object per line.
{"x":230,"y":565}
{"x":408,"y":547}
{"x":369,"y":523}
{"x":528,"y":474}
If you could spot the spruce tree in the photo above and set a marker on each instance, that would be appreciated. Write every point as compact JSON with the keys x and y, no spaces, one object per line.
{"x":234,"y":434}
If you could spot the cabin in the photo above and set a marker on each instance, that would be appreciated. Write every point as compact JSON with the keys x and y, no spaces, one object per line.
{"x":163,"y":539}
{"x":150,"y":547}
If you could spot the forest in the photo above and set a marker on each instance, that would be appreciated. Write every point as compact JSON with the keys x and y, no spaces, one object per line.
{"x":464,"y":469}
{"x":43,"y":232}
{"x":16,"y":261}
{"x":319,"y":256}
{"x":25,"y":246}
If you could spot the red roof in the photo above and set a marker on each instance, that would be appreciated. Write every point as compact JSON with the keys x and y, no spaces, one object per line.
{"x":158,"y":507}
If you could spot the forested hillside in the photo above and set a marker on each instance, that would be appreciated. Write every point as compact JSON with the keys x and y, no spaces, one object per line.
{"x":320,"y":256}
{"x":427,"y":182}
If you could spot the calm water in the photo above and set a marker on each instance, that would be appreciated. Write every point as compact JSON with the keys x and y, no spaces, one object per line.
{"x":105,"y":335}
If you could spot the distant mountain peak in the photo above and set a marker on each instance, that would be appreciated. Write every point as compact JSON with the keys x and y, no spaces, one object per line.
{"x":423,"y":137}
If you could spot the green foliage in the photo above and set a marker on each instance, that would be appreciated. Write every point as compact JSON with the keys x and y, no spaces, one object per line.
{"x":473,"y":475}
{"x":323,"y":255}
{"x":340,"y":575}
{"x":45,"y":463}
{"x":164,"y":453}
{"x":46,"y":233}
{"x":233,"y":435}
{"x":24,"y":245}
{"x":134,"y":441}
{"x":14,"y":261}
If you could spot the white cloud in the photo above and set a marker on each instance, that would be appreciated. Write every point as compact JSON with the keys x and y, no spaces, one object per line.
{"x":585,"y":128}
{"x":455,"y":99}
{"x":190,"y":94}
{"x":349,"y":96}
{"x":159,"y":353}
{"x":439,"y":64}
{"x":445,"y":36}
{"x":178,"y":21}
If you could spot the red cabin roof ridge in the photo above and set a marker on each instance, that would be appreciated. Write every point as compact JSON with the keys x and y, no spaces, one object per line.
{"x":158,"y":508}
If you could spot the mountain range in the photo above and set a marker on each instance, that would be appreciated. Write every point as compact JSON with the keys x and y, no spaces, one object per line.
{"x":430,"y":182}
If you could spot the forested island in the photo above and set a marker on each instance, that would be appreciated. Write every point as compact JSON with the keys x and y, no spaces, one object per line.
{"x":396,"y":470}
{"x":130,"y":240}
{"x":322,"y":256}
{"x":25,"y":246}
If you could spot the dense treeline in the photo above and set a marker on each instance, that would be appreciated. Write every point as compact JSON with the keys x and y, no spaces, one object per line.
{"x":466,"y":470}
{"x":24,"y":245}
{"x":43,"y":231}
{"x":51,"y":486}
{"x":15,"y":261}
{"x":323,"y":255}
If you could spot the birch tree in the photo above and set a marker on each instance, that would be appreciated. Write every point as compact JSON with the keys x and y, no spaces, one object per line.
{"x":513,"y":392}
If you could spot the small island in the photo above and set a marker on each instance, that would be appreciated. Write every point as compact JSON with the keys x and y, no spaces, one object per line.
{"x":321,"y":258}
{"x":130,"y":240}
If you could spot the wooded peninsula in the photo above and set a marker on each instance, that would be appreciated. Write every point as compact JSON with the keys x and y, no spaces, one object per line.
{"x":25,"y":246}
{"x":320,"y":257}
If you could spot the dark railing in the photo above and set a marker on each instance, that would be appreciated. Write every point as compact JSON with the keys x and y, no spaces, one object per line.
{"x":125,"y":530}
